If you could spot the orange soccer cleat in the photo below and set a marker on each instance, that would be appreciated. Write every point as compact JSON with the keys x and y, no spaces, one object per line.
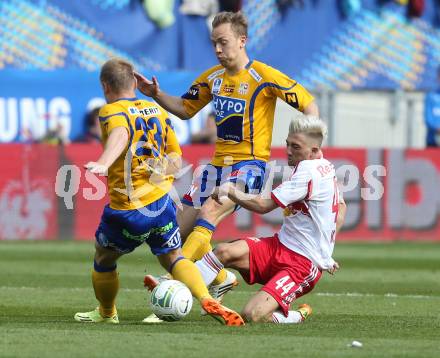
{"x":223,"y":314}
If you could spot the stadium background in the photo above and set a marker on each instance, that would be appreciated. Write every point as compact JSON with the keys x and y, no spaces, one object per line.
{"x":369,"y":72}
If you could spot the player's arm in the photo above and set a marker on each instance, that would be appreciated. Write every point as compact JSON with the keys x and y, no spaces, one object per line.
{"x":172,"y":104}
{"x":295,"y":189}
{"x":293,"y":93}
{"x":312,"y":109}
{"x":342,"y":209}
{"x":173,"y":152}
{"x":253,"y":203}
{"x":116,"y":143}
{"x":152,"y":89}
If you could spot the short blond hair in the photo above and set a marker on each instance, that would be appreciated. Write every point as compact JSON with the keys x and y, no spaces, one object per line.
{"x":238,"y":21}
{"x":118,"y":74}
{"x":312,"y":126}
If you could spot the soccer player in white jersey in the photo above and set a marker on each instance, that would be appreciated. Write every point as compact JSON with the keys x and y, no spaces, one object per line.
{"x":290,"y":263}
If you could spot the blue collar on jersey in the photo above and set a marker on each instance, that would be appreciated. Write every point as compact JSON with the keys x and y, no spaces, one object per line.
{"x":127,"y":99}
{"x":249,"y":64}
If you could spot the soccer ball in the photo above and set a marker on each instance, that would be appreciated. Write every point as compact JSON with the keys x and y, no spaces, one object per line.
{"x":171,"y":300}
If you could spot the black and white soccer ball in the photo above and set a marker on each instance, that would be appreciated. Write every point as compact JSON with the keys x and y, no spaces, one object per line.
{"x":171,"y":300}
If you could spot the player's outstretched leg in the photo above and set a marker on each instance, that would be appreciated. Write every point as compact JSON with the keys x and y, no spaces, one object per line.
{"x":263,"y":307}
{"x":226,"y":315}
{"x":221,"y":313}
{"x":151,"y":281}
{"x":303,"y":312}
{"x":186,"y":271}
{"x":209,"y":266}
{"x":218,"y":291}
{"x":198,"y":242}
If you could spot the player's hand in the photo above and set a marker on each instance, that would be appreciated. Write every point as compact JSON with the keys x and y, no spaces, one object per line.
{"x":221,"y":191}
{"x":147,"y":87}
{"x":333,"y":270}
{"x":97,"y":168}
{"x":216,"y":195}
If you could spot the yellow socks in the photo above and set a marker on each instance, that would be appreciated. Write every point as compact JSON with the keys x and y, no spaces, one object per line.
{"x":197,"y":243}
{"x":187,"y":272}
{"x":106,"y":286}
{"x":221,"y":277}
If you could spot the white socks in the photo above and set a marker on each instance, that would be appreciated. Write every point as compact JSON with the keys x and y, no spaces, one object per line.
{"x":209,"y":266}
{"x":293,"y":317}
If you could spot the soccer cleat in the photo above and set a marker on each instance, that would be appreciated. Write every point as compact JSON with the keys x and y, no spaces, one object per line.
{"x":95,"y":317}
{"x":305,"y":311}
{"x":150,"y":281}
{"x":223,"y":314}
{"x":219,"y":291}
{"x":152,"y":318}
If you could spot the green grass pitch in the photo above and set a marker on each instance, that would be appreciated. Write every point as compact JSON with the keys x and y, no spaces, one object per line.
{"x":386,"y":296}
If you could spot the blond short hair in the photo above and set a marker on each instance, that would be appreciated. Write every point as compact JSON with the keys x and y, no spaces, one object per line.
{"x":312,"y":126}
{"x":118,"y":74}
{"x":237,"y":20}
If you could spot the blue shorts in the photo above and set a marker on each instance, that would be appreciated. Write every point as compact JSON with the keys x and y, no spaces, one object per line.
{"x":250,"y":173}
{"x":155,"y":224}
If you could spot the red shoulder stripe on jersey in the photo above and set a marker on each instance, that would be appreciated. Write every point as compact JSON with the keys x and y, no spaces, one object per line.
{"x":296,"y":168}
{"x":275,"y":199}
{"x":309,"y":190}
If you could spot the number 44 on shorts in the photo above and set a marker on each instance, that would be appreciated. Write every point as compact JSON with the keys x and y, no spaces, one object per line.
{"x":284,"y":284}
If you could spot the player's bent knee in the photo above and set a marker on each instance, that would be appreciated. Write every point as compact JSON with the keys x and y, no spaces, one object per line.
{"x":167,"y":260}
{"x":247,"y":315}
{"x":253,"y":315}
{"x":106,"y":257}
{"x":105,"y":261}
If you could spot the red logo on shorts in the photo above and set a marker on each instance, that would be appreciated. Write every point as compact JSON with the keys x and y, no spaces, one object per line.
{"x":235,"y":173}
{"x":188,"y":195}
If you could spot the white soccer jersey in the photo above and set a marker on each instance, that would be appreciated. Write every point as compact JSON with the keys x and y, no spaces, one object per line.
{"x":310,"y":201}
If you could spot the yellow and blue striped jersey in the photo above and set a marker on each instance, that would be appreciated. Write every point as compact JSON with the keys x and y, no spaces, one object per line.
{"x":137,"y":178}
{"x":244,"y":106}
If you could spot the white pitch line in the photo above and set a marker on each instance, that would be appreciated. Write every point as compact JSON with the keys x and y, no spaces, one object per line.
{"x":239,"y":292}
{"x":358,"y":295}
{"x":386,"y":295}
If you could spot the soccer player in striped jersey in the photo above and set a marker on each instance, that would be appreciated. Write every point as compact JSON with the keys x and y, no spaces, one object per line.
{"x":141,"y":153}
{"x":244,"y":93}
